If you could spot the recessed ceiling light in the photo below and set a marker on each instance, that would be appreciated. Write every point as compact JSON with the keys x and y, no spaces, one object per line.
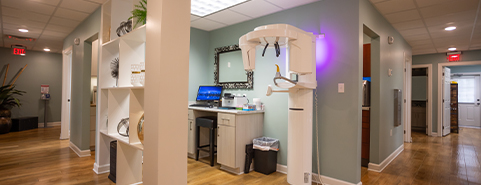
{"x":452,"y":49}
{"x":450,"y":28}
{"x":46,"y":49}
{"x":23,"y":30}
{"x":205,"y":7}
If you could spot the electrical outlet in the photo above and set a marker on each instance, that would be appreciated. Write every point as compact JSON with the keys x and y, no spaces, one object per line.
{"x":391,"y":132}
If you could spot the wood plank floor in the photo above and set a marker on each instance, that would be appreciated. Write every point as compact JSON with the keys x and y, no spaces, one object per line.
{"x":39,"y":157}
{"x":454,"y":159}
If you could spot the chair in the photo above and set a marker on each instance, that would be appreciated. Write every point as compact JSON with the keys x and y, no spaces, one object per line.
{"x":209,"y":122}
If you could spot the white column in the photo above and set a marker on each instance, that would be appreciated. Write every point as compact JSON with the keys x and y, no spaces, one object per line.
{"x":166,"y":96}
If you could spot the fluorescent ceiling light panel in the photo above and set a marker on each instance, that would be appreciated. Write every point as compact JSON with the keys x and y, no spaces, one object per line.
{"x":450,"y":28}
{"x":46,"y":49}
{"x":23,"y":30}
{"x":452,"y":49}
{"x":202,"y":8}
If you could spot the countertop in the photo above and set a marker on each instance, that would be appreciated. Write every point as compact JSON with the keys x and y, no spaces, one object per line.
{"x":226,"y":110}
{"x":366,"y":108}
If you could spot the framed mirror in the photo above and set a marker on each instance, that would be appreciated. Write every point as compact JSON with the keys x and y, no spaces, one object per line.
{"x":229,"y":69}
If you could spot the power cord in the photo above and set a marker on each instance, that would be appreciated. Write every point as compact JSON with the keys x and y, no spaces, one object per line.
{"x":317,"y":142}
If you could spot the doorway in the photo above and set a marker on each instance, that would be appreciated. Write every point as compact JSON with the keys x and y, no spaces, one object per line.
{"x":66,"y":92}
{"x":468,"y":96}
{"x":420,"y":107}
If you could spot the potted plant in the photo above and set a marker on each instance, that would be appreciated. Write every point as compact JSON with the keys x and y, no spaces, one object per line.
{"x":140,"y":13}
{"x":7,"y":102}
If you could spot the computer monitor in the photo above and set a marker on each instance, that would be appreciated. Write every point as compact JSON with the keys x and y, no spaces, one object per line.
{"x":209,"y":93}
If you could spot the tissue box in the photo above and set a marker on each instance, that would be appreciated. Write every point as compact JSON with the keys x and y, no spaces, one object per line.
{"x":248,"y":107}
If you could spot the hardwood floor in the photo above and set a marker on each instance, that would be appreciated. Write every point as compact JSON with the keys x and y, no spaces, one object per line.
{"x":39,"y":157}
{"x":454,"y":159}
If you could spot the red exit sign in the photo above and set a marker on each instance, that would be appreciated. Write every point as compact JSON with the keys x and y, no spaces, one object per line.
{"x":19,"y":51}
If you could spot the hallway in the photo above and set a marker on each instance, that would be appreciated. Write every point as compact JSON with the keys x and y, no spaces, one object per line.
{"x":454,"y":159}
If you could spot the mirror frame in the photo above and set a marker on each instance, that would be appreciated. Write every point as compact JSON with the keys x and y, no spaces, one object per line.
{"x":231,"y":85}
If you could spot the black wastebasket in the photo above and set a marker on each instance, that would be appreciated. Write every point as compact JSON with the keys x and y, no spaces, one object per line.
{"x":265,"y":155}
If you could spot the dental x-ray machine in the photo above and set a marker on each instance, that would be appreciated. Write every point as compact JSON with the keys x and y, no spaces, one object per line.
{"x":301,"y":47}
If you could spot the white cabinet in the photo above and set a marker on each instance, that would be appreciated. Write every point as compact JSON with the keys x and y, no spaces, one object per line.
{"x":191,"y":137}
{"x":226,"y":151}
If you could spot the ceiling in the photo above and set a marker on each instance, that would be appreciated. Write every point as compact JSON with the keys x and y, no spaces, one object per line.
{"x":243,"y":12}
{"x":48,"y":21}
{"x":422,"y":23}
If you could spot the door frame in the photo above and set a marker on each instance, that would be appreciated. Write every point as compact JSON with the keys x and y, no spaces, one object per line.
{"x":440,"y":93}
{"x":66,"y":83}
{"x":407,"y":98}
{"x":429,"y":112}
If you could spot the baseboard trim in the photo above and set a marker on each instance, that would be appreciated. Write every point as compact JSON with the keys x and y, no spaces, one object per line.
{"x":434,"y":134}
{"x":281,"y":168}
{"x":315,"y":178}
{"x":80,"y":153}
{"x":101,"y":169}
{"x":387,"y":161}
{"x":330,"y":181}
{"x":57,"y":123}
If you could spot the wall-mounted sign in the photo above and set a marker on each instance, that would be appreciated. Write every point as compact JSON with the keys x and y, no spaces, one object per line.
{"x":18,"y":51}
{"x":44,"y":89}
{"x":454,"y":56}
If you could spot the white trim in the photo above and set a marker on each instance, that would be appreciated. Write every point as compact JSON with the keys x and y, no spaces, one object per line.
{"x":407,"y":97}
{"x":387,"y":161}
{"x":80,"y":153}
{"x":281,"y":168}
{"x":429,"y":112}
{"x":57,"y":123}
{"x":440,"y":88}
{"x":101,"y":169}
{"x":434,"y":134}
{"x":326,"y":180}
{"x":330,"y":181}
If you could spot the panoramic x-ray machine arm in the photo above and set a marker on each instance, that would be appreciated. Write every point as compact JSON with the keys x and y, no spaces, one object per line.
{"x":301,"y":47}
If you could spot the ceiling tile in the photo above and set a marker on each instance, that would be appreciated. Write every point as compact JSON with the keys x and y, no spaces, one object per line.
{"x":424,"y":51}
{"x":64,"y":22}
{"x":411,"y":38}
{"x":409,"y":25}
{"x":403,"y":16}
{"x":376,"y":1}
{"x":420,"y":42}
{"x":394,"y":6}
{"x":416,"y":31}
{"x":49,"y":2}
{"x":24,"y":23}
{"x":79,"y":5}
{"x":70,"y":14}
{"x":19,"y":13}
{"x":227,"y":17}
{"x":193,"y":17}
{"x":462,"y":28}
{"x":56,"y":28}
{"x":29,"y":6}
{"x":9,"y":43}
{"x":286,"y":4}
{"x":98,"y":1}
{"x":451,"y":18}
{"x":205,"y":24}
{"x":447,"y":8}
{"x":54,"y":33}
{"x":424,"y":3}
{"x":51,"y":38}
{"x":255,"y":8}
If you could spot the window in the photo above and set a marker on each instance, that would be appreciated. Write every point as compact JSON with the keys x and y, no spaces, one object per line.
{"x":466,"y":88}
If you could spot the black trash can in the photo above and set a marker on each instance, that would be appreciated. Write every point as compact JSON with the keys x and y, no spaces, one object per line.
{"x":265,"y":155}
{"x":113,"y":161}
{"x":265,"y":161}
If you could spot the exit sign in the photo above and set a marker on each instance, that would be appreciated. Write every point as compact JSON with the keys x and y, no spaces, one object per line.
{"x":19,"y":51}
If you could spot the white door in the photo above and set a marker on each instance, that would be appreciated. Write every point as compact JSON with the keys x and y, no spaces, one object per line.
{"x":446,"y":101}
{"x":468,"y":98}
{"x":66,"y":93}
{"x":407,"y":98}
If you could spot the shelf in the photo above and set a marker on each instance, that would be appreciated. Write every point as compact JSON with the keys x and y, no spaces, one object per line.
{"x":131,"y":87}
{"x":124,"y":140}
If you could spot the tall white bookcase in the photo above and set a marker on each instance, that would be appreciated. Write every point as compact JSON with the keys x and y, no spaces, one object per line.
{"x":116,"y":102}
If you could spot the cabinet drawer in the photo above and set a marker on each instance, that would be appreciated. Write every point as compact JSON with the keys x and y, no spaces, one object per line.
{"x":226,"y":119}
{"x":191,"y":114}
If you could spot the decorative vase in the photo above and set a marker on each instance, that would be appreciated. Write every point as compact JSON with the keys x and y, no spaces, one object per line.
{"x":5,"y":121}
{"x":140,"y":129}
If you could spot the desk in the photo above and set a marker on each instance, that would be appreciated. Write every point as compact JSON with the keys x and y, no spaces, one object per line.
{"x":235,"y":129}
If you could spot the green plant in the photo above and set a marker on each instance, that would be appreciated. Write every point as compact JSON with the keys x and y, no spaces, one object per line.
{"x":140,"y":13}
{"x":7,"y":97}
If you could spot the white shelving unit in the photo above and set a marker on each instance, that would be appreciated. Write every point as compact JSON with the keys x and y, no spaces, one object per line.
{"x":123,"y":100}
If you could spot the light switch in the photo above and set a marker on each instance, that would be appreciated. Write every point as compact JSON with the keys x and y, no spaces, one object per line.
{"x":228,"y":64}
{"x":340,"y":87}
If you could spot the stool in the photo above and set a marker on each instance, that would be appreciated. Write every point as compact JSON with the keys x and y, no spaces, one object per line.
{"x":209,"y":122}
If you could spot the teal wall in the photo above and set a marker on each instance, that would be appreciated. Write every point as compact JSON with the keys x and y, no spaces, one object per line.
{"x":81,"y":69}
{"x":200,"y":72}
{"x":43,"y":68}
{"x":387,"y":56}
{"x":465,"y":69}
{"x":434,"y":59}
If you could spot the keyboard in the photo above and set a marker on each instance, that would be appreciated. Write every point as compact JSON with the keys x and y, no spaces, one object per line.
{"x":199,"y":105}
